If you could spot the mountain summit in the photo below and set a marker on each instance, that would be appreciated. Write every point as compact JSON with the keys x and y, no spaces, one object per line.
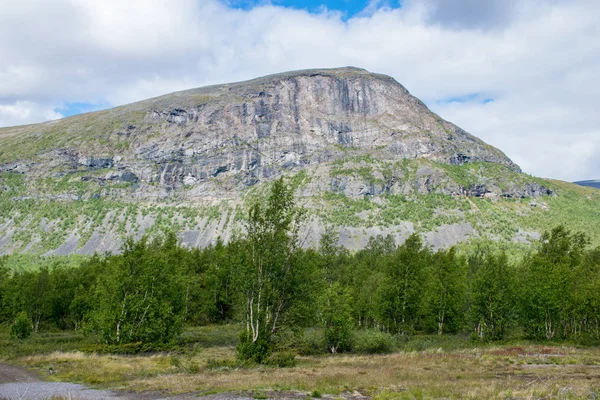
{"x":250,"y":131}
{"x":362,"y":152}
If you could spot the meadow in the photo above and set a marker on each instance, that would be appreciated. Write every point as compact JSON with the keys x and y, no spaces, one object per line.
{"x":419,"y":367}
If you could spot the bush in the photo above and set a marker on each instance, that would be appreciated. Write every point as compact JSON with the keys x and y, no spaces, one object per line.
{"x":311,"y":342}
{"x":281,"y":359}
{"x":21,"y":328}
{"x":373,"y":342}
{"x":152,"y":312}
{"x":258,"y":351}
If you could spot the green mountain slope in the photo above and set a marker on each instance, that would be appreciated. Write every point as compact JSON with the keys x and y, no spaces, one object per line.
{"x":362,"y":153}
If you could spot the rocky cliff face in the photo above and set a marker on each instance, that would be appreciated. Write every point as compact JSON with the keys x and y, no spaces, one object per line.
{"x":252,"y":131}
{"x":353,"y":132}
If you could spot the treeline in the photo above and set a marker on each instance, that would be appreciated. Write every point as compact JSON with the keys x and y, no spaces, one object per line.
{"x":273,"y":286}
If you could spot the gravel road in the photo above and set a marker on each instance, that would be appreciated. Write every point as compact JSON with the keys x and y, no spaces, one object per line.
{"x":11,"y":374}
{"x":18,"y":383}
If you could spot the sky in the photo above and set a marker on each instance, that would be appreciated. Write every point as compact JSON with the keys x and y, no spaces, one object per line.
{"x":523,"y":75}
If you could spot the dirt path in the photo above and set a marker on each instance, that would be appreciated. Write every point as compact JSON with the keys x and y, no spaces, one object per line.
{"x":18,"y":383}
{"x":12,"y":374}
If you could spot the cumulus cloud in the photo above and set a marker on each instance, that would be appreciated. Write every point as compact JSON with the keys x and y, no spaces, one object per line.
{"x":19,"y":111}
{"x":519,"y":74}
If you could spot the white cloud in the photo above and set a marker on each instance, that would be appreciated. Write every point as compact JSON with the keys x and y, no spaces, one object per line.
{"x":21,"y":112}
{"x":538,"y":59}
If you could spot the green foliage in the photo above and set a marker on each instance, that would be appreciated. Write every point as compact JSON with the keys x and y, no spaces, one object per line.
{"x":504,"y":217}
{"x":213,"y":296}
{"x":492,"y":294}
{"x":307,"y":342}
{"x":336,"y":318}
{"x":21,"y":328}
{"x":341,"y":210}
{"x":332,"y":255}
{"x":30,"y":292}
{"x":290,"y":300}
{"x":445,"y":292}
{"x":373,"y":342}
{"x":401,"y":293}
{"x":89,"y":207}
{"x":140,"y":295}
{"x":471,"y":174}
{"x":4,"y":281}
{"x":257,"y":350}
{"x":272,"y":278}
{"x":552,"y":302}
{"x":435,"y":342}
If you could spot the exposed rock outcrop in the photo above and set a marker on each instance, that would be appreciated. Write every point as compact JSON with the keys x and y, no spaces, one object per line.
{"x":254,"y":131}
{"x":351,"y":132}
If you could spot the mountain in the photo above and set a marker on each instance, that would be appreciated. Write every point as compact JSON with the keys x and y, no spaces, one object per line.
{"x":363,"y":153}
{"x":591,"y":183}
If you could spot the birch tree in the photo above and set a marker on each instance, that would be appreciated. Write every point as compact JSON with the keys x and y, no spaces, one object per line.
{"x":270,"y":277}
{"x":336,"y":318}
{"x":140,"y":297}
{"x":401,"y":294}
{"x":445,"y":292}
{"x":549,"y":291}
{"x":493,"y":297}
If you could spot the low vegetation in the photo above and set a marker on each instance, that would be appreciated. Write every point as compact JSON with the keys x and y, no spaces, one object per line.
{"x":429,"y":367}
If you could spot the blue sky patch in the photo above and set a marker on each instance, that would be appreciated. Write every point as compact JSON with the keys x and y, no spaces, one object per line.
{"x":348,"y":8}
{"x":467,"y":98}
{"x":70,"y":109}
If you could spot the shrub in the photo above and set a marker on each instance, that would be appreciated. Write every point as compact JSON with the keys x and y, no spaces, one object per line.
{"x":281,"y":359}
{"x":258,"y":351}
{"x":373,"y":342}
{"x":148,"y":272}
{"x":21,"y":328}
{"x":310,"y":342}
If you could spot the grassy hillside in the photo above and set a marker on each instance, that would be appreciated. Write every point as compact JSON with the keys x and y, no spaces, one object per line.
{"x":45,"y":214}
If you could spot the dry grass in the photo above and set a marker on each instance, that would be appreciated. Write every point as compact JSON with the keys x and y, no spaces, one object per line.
{"x":529,"y":372}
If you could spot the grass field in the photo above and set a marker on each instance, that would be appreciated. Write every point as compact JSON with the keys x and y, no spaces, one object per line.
{"x":494,"y":373}
{"x":447,"y":367}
